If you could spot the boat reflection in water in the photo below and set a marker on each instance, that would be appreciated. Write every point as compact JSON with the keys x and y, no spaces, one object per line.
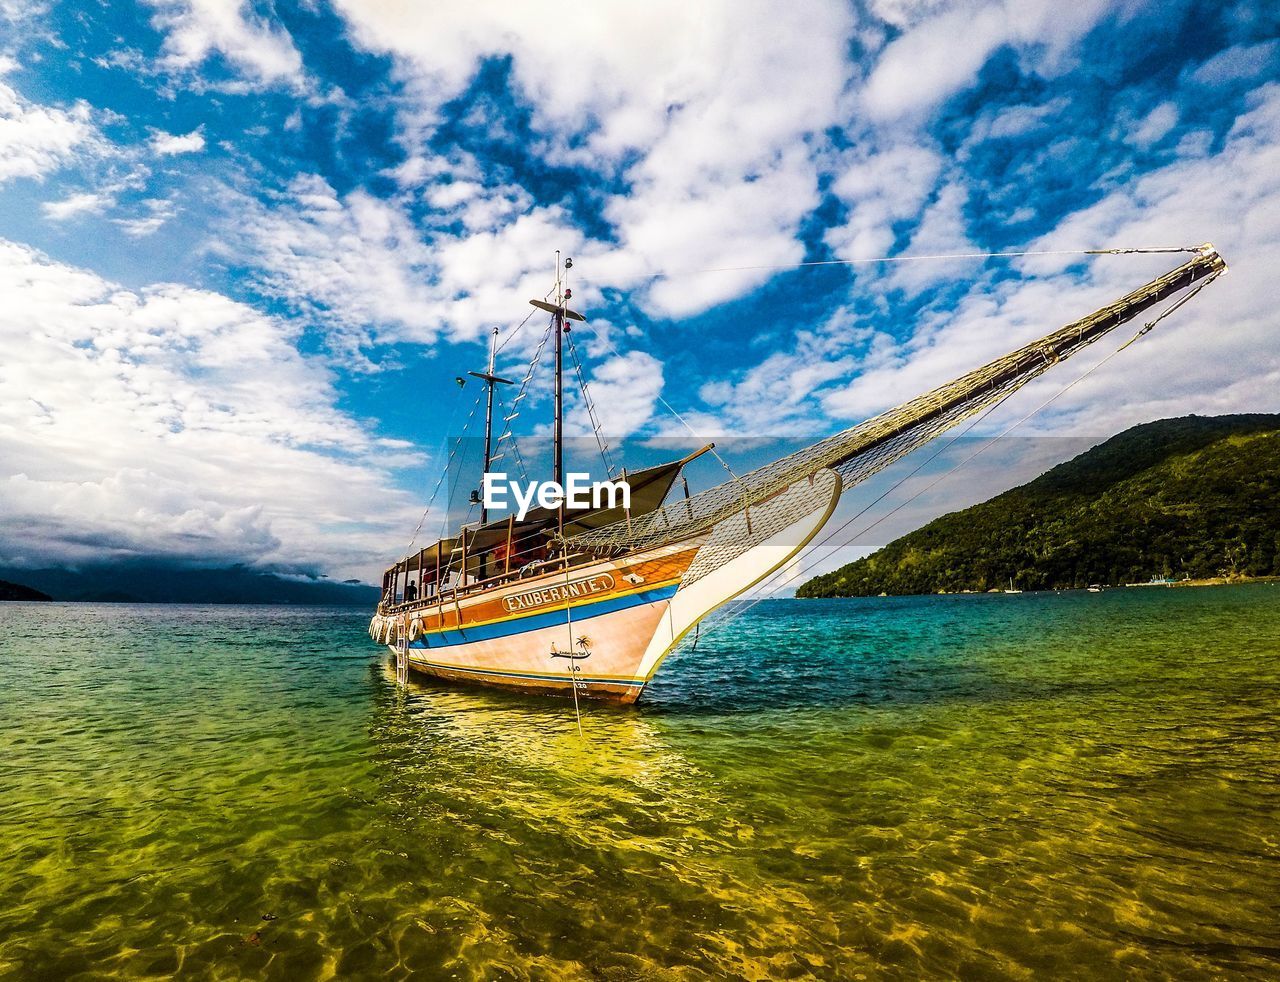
{"x":523,"y":756}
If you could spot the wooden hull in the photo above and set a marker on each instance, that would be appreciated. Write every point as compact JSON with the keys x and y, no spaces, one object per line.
{"x":603,"y":628}
{"x":596,"y":646}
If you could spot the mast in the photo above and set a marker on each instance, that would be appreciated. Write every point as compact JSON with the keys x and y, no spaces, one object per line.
{"x":557,"y":469}
{"x":558,"y":463}
{"x":561,"y":314}
{"x":490,"y":380}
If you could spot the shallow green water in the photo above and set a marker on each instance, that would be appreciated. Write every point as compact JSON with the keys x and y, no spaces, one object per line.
{"x":1025,"y":786}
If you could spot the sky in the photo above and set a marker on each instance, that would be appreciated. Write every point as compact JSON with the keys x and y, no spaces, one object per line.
{"x":246,"y":248}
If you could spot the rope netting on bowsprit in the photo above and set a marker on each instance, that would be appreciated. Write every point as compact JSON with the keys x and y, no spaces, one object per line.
{"x":775,"y":496}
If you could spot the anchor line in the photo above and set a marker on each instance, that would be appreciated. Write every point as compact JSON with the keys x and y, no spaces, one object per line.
{"x":573,"y":668}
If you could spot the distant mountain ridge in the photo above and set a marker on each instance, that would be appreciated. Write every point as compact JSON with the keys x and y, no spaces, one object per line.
{"x":1193,"y":496}
{"x":141,"y":582}
{"x":17,"y":591}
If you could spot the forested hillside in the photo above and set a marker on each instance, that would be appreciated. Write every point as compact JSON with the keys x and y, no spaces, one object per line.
{"x":1194,"y":496}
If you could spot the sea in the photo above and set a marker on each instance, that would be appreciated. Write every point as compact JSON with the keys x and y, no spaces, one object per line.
{"x":1032,"y":786}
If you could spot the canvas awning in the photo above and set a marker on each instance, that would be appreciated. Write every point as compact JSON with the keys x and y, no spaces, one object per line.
{"x":649,"y":488}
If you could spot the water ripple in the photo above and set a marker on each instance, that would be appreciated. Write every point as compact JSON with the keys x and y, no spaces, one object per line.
{"x":1005,"y":787}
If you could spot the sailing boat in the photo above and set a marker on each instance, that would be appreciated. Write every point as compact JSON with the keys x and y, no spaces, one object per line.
{"x":589,"y":602}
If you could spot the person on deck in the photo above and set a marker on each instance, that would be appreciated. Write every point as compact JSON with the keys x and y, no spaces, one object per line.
{"x":500,"y":553}
{"x":410,"y":592}
{"x":534,"y":552}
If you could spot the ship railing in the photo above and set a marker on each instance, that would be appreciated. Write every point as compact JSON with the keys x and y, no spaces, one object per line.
{"x":456,"y":593}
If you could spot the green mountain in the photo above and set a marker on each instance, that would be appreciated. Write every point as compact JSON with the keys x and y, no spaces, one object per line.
{"x":1195,"y":496}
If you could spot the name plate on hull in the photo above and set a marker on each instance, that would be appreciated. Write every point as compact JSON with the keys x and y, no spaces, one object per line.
{"x":559,"y":593}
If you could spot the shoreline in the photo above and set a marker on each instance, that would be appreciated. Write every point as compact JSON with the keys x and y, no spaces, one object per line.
{"x":1215,"y":581}
{"x":1201,"y":582}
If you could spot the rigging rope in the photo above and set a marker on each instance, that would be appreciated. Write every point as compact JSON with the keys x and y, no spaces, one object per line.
{"x":601,"y":442}
{"x":507,"y":339}
{"x":861,"y":450}
{"x":792,"y":573}
{"x":444,"y":471}
{"x":515,"y":446}
{"x":506,"y":433}
{"x":454,"y":488}
{"x":1119,"y":251}
{"x":1152,"y":250}
{"x":741,"y":602}
{"x":454,"y":414}
{"x":666,"y":405}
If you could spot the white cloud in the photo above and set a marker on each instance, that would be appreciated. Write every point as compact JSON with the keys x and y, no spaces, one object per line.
{"x":882,"y":186}
{"x":356,"y":262}
{"x":1241,"y":62}
{"x":158,"y":212}
{"x":169,"y":144}
{"x":14,"y":10}
{"x":903,"y":14}
{"x":175,"y":422}
{"x":359,"y":264}
{"x":76,"y":204}
{"x":778,"y":396}
{"x":946,"y":45}
{"x":106,"y":197}
{"x":1010,"y":121}
{"x":624,"y":390}
{"x":941,"y":231}
{"x":707,"y":119}
{"x":37,"y":140}
{"x":195,"y":30}
{"x":1216,"y":355}
{"x":934,"y":60}
{"x":1155,"y":127}
{"x":685,"y":229}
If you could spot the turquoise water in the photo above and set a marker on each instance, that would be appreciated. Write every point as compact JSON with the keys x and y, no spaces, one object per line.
{"x":1030,"y":786}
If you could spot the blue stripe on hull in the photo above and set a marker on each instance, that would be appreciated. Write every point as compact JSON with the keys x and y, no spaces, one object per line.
{"x":535,"y":622}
